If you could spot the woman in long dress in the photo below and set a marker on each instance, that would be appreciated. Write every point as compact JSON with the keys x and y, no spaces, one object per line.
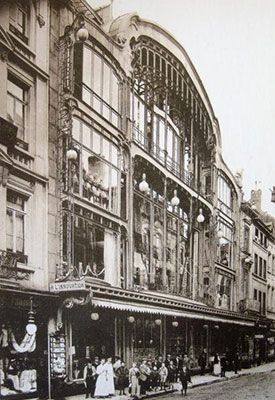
{"x":217,"y":365}
{"x":101,"y":387}
{"x":110,"y":377}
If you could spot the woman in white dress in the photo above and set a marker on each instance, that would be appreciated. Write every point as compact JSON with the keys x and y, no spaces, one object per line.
{"x":110,"y":377}
{"x":101,"y":387}
{"x":217,"y":365}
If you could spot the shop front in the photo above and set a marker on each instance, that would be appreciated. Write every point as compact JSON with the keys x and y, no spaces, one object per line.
{"x":23,"y":344}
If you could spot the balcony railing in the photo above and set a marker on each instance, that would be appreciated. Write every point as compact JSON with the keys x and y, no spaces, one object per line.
{"x":8,"y":265}
{"x":162,"y":157}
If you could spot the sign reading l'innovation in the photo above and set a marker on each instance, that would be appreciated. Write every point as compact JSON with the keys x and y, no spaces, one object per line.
{"x":68,"y":286}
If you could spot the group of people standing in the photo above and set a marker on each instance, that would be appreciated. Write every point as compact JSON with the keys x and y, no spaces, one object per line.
{"x":102,"y":377}
{"x":159,"y":375}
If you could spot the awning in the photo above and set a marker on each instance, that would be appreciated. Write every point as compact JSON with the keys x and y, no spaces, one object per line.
{"x":116,"y":305}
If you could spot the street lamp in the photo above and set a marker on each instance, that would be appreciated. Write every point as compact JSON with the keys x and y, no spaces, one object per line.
{"x":31,"y":327}
{"x":175,"y":201}
{"x":200,"y":217}
{"x":143,"y":186}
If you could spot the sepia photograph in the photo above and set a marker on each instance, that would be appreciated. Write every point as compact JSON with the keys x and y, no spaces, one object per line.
{"x":137,"y":199}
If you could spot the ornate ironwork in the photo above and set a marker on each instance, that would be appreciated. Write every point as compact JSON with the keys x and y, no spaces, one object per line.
{"x":8,"y":132}
{"x":8,"y":266}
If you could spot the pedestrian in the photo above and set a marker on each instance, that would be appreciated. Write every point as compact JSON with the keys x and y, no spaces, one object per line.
{"x":134,"y":386}
{"x":223,"y":366}
{"x":172,"y":374}
{"x":163,"y":373}
{"x":89,"y":376}
{"x":185,"y":377}
{"x":122,"y":374}
{"x":154,"y":378}
{"x":202,"y":361}
{"x":110,"y":377}
{"x":186,"y":361}
{"x":236,"y":362}
{"x":144,"y":377}
{"x":101,"y":388}
{"x":217,"y":365}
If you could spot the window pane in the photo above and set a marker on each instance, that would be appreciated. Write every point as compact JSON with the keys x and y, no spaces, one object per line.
{"x":96,"y":142}
{"x":96,"y":104}
{"x":15,"y":90}
{"x":97,"y":74}
{"x":86,"y":95}
{"x":114,"y":155}
{"x":86,"y":136}
{"x":9,"y":230}
{"x":106,"y":111}
{"x":105,"y":149}
{"x":76,"y":129}
{"x":114,"y":190}
{"x":20,"y":233}
{"x":106,"y":83}
{"x":19,"y":113}
{"x":170,"y":142}
{"x":87,"y":66}
{"x":115,"y":92}
{"x":10,"y":107}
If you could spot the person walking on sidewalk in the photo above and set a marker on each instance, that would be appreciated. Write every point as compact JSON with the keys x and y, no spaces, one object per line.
{"x":217,"y":365}
{"x":89,"y":375}
{"x":202,"y":361}
{"x":185,"y":377}
{"x":122,"y":374}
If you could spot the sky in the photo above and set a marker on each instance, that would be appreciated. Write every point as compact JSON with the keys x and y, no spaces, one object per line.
{"x":232,"y":46}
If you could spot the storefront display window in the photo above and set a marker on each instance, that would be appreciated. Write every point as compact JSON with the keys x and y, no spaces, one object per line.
{"x":21,"y":349}
{"x":95,"y":251}
{"x":90,"y":339}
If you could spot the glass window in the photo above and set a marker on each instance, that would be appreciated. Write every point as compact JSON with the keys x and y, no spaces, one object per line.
{"x":101,"y":90}
{"x":225,"y":244}
{"x":97,"y":74}
{"x":15,"y":221}
{"x":19,"y":19}
{"x":16,"y":105}
{"x":99,"y":170}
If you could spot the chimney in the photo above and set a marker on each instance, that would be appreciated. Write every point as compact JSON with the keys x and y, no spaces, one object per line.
{"x":256,"y":199}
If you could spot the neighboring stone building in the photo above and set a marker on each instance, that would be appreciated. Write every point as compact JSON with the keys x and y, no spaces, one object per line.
{"x":24,"y":278}
{"x":117,"y":207}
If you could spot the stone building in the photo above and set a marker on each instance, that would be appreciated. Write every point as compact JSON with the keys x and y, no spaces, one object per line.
{"x":120,"y":217}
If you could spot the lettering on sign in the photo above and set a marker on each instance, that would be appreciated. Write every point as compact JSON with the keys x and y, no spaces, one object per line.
{"x":68,"y":286}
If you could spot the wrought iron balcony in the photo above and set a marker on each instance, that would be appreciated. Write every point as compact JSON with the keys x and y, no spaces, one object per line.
{"x":8,"y":132}
{"x":8,"y":265}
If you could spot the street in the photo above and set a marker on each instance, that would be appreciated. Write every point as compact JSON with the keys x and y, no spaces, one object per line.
{"x":252,"y":387}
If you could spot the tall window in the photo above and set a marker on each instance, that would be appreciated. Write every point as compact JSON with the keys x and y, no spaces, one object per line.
{"x":19,"y":19}
{"x":17,"y":105}
{"x":100,"y":86}
{"x":96,"y":175}
{"x":225,"y":247}
{"x":224,"y":196}
{"x":256,"y":261}
{"x":246,"y":238}
{"x":15,"y":222}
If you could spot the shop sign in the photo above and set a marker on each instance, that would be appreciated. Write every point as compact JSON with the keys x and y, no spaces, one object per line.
{"x":58,"y":355}
{"x":259,"y":336}
{"x":69,"y":286}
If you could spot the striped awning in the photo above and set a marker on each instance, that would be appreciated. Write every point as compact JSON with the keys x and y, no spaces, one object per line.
{"x":147,"y":309}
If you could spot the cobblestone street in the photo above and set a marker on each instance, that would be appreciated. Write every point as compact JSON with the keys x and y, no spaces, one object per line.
{"x":252,"y":387}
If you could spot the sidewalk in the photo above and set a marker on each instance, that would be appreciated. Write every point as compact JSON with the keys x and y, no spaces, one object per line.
{"x":198,"y":380}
